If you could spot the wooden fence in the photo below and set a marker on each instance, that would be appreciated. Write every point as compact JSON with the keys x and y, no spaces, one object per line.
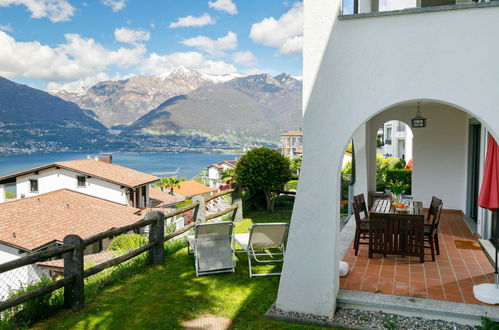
{"x":73,"y":247}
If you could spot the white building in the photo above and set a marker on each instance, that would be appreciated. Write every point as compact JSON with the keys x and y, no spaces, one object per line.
{"x":82,"y":197}
{"x":397,"y":140}
{"x":212,"y":173}
{"x":292,"y":144}
{"x":362,"y":70}
{"x":97,"y":177}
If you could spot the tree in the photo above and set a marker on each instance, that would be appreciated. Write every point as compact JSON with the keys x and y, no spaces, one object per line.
{"x":170,"y":183}
{"x":264,"y":169}
{"x":227,"y":175}
{"x":296,"y":165}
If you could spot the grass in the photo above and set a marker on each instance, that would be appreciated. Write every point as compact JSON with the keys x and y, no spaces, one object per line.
{"x":167,"y":295}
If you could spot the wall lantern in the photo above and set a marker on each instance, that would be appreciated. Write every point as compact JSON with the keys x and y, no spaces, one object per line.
{"x":418,"y":121}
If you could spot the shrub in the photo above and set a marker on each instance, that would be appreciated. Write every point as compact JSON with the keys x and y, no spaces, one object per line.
{"x":391,"y":163}
{"x":293,"y":184}
{"x":403,"y":175}
{"x":128,"y":242}
{"x":27,"y":313}
{"x":295,"y":176}
{"x":487,"y":324}
{"x":264,"y":169}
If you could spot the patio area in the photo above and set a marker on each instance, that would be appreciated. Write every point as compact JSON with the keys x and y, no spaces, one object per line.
{"x":451,"y":277}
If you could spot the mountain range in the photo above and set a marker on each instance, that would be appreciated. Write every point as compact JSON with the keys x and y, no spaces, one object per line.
{"x":173,"y":111}
{"x":122,"y":102}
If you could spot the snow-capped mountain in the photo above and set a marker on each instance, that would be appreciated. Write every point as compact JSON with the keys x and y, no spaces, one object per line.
{"x":122,"y":102}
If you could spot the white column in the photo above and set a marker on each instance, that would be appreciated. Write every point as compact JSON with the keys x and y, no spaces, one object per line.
{"x":310,"y":279}
{"x":2,"y":193}
{"x":361,"y":142}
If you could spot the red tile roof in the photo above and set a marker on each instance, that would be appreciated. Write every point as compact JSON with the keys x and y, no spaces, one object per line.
{"x":109,"y":172}
{"x":294,"y":133}
{"x":159,"y":198}
{"x":30,"y":223}
{"x":231,"y":163}
{"x":192,"y":188}
{"x":93,"y":259}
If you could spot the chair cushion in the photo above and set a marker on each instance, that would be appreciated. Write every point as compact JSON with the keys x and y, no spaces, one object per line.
{"x":364,"y":226}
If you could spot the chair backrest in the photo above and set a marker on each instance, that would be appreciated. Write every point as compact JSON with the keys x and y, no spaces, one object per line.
{"x":213,"y":229}
{"x":434,"y":212}
{"x":359,"y":206}
{"x":268,"y":235}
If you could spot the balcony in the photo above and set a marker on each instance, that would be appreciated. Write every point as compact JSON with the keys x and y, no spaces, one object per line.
{"x":366,"y":8}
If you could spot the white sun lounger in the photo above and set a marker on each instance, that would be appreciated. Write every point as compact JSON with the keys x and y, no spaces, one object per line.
{"x":261,"y":238}
{"x":213,"y":247}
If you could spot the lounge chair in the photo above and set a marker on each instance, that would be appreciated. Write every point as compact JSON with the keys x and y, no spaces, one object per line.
{"x":263,"y":243}
{"x":213,"y":247}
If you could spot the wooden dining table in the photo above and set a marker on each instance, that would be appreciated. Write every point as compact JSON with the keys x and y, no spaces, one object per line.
{"x":397,"y":233}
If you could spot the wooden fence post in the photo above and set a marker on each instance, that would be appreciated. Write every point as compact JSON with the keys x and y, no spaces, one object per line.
{"x":156,"y":235}
{"x":237,"y":199}
{"x":74,"y":292}
{"x":199,"y":213}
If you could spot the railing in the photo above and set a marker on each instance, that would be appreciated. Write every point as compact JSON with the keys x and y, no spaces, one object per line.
{"x":73,"y":248}
{"x":362,"y":7}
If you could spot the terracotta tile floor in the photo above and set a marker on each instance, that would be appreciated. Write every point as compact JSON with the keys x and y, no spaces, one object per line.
{"x":451,"y":277}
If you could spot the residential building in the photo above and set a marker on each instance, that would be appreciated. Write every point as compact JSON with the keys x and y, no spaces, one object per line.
{"x":212,"y":173}
{"x":159,"y":198}
{"x":39,"y":222}
{"x":190,"y":188}
{"x":362,"y":70}
{"x":292,"y":144}
{"x":97,"y":177}
{"x":396,"y":137}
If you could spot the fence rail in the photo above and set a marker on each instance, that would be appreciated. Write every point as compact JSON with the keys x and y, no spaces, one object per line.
{"x":35,"y":257}
{"x":73,"y":247}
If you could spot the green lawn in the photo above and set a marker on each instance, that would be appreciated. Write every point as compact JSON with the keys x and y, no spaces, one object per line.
{"x":165,"y":296}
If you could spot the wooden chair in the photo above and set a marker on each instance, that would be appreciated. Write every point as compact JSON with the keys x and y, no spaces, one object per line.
{"x":431,"y":226}
{"x":361,"y":221}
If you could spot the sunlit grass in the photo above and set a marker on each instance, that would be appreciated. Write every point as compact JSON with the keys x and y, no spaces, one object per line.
{"x":165,"y":296}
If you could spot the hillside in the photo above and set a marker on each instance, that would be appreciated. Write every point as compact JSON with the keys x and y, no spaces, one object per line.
{"x":122,"y":102}
{"x":252,"y":109}
{"x":32,"y":120}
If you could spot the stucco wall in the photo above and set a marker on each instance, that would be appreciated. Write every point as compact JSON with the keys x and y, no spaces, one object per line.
{"x":55,"y":179}
{"x":354,"y":69}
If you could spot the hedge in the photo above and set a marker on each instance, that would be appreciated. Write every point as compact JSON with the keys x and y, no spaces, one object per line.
{"x":403,"y":175}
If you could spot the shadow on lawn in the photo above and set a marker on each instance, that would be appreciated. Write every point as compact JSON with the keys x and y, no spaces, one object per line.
{"x":166,"y":296}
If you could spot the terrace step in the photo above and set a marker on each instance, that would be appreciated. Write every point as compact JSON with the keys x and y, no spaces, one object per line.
{"x":467,"y":314}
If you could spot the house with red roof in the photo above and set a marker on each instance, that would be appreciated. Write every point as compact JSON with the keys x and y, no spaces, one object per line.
{"x":97,"y":177}
{"x":212,"y":173}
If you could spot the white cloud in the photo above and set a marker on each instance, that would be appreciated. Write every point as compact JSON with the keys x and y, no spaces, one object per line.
{"x":158,"y":64}
{"x":116,"y":5}
{"x":6,"y":28}
{"x":223,"y":5}
{"x":285,"y":33}
{"x":75,"y":59}
{"x":84,"y":82}
{"x":244,"y":58}
{"x":54,"y":10}
{"x":192,"y":21}
{"x":212,"y":46}
{"x":130,"y":36}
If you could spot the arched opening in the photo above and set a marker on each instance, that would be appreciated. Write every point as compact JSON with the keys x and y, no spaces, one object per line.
{"x":394,"y":159}
{"x":447,"y":156}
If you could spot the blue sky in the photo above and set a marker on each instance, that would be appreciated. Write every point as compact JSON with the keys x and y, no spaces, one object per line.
{"x":53,"y":44}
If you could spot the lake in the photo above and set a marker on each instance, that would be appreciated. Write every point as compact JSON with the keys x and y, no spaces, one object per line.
{"x":159,"y":164}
